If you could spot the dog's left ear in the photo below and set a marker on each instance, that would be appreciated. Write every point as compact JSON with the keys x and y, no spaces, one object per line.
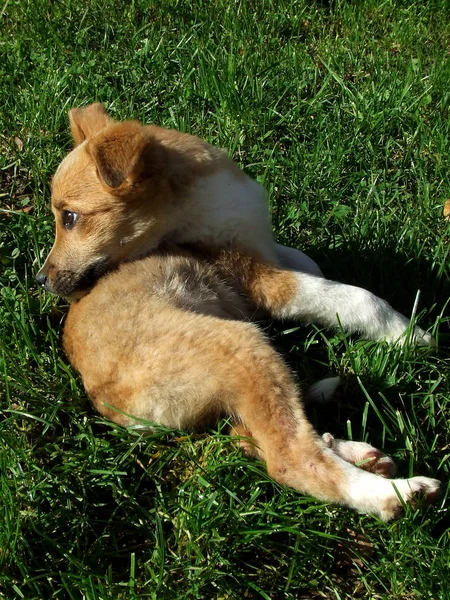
{"x":88,"y":121}
{"x":125,"y":151}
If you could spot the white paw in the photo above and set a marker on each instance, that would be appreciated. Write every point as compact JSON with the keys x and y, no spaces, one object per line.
{"x":361,"y":455}
{"x":417,"y":489}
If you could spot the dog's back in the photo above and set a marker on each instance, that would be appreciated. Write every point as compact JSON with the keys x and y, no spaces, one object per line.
{"x":141,"y":337}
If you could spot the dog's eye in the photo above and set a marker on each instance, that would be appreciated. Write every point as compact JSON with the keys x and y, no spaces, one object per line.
{"x":69,"y":218}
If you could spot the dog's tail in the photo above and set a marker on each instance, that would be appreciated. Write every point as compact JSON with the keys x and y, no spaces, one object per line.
{"x":323,"y":390}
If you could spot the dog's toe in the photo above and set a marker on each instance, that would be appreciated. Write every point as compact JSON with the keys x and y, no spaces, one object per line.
{"x":362,"y":455}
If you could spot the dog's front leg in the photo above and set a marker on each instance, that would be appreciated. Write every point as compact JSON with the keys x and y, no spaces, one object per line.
{"x":286,"y":294}
{"x":331,"y":304}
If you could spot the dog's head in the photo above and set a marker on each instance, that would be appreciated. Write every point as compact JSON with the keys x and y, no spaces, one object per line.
{"x":114,"y":195}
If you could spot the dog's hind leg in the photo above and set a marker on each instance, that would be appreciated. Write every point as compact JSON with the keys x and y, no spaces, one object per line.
{"x":246,"y":441}
{"x":266,"y":403}
{"x":360,"y":454}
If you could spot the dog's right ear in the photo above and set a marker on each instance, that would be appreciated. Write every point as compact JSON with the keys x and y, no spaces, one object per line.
{"x":88,"y":121}
{"x":125,"y":151}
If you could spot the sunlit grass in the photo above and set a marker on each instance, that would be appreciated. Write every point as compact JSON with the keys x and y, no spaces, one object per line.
{"x":342,"y":111}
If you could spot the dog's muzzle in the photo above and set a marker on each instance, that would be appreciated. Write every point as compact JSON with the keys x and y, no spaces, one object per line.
{"x":65,"y":282}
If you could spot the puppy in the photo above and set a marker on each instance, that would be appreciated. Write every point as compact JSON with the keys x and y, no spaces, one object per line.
{"x":126,"y":188}
{"x":166,"y":339}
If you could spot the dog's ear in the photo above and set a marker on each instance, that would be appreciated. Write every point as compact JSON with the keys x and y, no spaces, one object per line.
{"x":125,"y":151}
{"x":88,"y":121}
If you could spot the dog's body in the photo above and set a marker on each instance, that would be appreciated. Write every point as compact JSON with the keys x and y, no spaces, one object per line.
{"x":166,"y":338}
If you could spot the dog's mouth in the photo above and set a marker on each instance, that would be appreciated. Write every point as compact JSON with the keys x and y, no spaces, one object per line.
{"x":68,"y":283}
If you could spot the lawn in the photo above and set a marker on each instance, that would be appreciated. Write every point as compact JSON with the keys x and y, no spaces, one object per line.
{"x":341,"y":109}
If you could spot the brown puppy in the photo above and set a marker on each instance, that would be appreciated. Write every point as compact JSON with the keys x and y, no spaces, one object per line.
{"x":166,"y":339}
{"x":126,"y":187}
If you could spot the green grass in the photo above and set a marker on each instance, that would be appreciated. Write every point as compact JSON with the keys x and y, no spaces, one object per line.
{"x":342,"y":111}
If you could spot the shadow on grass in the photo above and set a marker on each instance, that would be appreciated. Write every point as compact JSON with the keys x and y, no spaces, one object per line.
{"x":389,"y":274}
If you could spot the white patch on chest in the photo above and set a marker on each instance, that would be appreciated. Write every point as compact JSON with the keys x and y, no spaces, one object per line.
{"x":225,"y":207}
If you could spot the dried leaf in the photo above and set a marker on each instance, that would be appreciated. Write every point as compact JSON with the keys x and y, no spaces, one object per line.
{"x":19,"y":144}
{"x":447,"y":209}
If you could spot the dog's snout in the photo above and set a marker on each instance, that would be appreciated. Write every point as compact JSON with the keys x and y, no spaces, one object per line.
{"x":42,"y":279}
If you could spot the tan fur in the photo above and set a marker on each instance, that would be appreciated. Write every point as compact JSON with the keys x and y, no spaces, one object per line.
{"x":166,"y":340}
{"x":151,"y":358}
{"x":268,"y":287}
{"x":133,"y":187}
{"x":86,"y":122}
{"x":126,"y":181}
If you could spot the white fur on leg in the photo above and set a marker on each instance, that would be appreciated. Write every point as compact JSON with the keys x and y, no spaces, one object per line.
{"x":370,"y":493}
{"x":331,"y":303}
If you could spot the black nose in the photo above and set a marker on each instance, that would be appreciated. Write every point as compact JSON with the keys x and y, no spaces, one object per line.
{"x":42,"y":279}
